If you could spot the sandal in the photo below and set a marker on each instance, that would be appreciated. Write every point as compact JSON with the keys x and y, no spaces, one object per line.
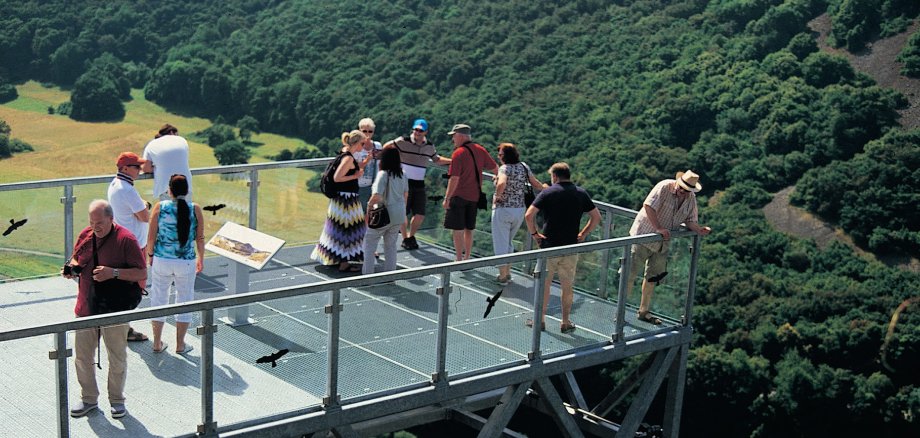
{"x":136,"y":336}
{"x":162,"y":348}
{"x":350,"y":268}
{"x":647,"y":317}
{"x":529,"y":323}
{"x":567,"y":328}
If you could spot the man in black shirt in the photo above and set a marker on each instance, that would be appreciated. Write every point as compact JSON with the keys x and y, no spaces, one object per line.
{"x":562,"y":205}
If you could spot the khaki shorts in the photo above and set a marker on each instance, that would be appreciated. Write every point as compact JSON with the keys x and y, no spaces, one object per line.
{"x":563,"y":266}
{"x":654,"y":260}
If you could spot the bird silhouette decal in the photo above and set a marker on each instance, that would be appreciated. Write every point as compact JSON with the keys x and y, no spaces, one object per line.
{"x":492,"y":302}
{"x":657,"y":279}
{"x":14,"y":225}
{"x":272,"y":357}
{"x":213,"y":208}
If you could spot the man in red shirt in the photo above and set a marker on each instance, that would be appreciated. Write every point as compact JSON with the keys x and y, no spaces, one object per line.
{"x":119,"y":256}
{"x":466,"y":165}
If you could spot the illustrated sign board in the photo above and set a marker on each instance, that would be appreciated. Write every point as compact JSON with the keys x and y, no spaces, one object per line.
{"x":244,"y":245}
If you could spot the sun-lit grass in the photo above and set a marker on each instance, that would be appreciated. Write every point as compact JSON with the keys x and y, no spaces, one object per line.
{"x":67,"y":148}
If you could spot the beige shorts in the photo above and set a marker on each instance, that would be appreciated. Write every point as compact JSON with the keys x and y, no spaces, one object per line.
{"x":563,"y":266}
{"x":653,"y":259}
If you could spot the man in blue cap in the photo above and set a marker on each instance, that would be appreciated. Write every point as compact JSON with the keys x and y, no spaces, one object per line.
{"x":416,"y":154}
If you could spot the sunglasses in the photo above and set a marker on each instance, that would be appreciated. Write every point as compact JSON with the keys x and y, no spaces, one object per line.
{"x":367,"y":131}
{"x":418,"y":130}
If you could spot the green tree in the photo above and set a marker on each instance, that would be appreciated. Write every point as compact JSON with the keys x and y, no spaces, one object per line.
{"x":96,"y":98}
{"x":248,"y":125}
{"x":219,"y":134}
{"x":232,"y":152}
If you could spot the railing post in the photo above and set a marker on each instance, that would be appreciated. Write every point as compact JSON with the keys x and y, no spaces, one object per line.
{"x":60,"y":355}
{"x":691,"y":289}
{"x":332,"y":399}
{"x":68,"y":200}
{"x":605,"y":257}
{"x":208,"y":426}
{"x":539,"y":276}
{"x":253,"y":198}
{"x":625,"y":278}
{"x":439,"y":377}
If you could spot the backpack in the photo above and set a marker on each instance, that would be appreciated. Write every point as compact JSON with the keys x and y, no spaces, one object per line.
{"x":327,"y":185}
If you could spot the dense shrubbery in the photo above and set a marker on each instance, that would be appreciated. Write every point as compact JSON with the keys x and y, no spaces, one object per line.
{"x":628,"y":92}
{"x":910,"y":56}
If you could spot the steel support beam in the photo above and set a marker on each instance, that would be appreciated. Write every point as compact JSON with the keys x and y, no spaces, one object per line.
{"x":558,"y":412}
{"x":621,"y":295}
{"x":208,"y":427}
{"x":504,"y":411}
{"x":647,"y":391}
{"x":60,"y":355}
{"x":440,"y":374}
{"x":677,"y":378}
{"x":572,"y":391}
{"x":334,"y":309}
{"x":476,"y":422}
{"x":605,"y":256}
{"x":619,"y":392}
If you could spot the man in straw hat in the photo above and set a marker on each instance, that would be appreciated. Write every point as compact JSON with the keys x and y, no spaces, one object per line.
{"x":671,"y":203}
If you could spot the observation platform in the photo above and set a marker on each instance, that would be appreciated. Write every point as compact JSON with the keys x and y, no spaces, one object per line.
{"x":366,"y":354}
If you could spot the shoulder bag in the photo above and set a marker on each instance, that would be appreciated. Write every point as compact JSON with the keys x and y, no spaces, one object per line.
{"x":529,"y":195}
{"x":113,"y":295}
{"x":483,"y":203}
{"x":378,"y":216}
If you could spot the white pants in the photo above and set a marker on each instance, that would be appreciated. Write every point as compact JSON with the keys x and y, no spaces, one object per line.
{"x":164,"y":272}
{"x":389,"y":233}
{"x":505,"y":224}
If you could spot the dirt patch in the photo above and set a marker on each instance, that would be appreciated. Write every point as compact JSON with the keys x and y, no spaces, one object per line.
{"x":798,"y":222}
{"x":878,"y":60}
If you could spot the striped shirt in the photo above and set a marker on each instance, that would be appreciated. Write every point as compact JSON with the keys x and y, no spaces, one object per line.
{"x":415,"y":157}
{"x":669,"y":208}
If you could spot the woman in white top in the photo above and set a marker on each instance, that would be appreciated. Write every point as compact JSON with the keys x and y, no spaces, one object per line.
{"x":508,"y":205}
{"x":390,"y":187}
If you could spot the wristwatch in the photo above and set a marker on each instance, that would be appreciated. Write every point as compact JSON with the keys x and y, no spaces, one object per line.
{"x":115,"y":273}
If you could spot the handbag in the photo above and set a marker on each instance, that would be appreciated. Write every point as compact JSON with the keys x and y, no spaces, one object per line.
{"x":483,"y":203}
{"x":113,"y":295}
{"x":378,"y":216}
{"x":529,"y":195}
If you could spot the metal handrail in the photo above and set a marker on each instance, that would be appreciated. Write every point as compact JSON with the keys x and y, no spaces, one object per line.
{"x":325,"y":286}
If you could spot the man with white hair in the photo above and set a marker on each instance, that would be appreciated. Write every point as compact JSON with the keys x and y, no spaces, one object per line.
{"x":671,"y":202}
{"x":104,"y":251}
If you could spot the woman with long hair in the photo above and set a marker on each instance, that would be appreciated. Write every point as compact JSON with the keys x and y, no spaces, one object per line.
{"x":174,"y":225}
{"x":342,"y":240}
{"x":392,"y":189}
{"x":508,"y":205}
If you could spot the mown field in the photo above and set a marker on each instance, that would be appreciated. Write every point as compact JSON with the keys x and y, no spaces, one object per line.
{"x":65,"y":148}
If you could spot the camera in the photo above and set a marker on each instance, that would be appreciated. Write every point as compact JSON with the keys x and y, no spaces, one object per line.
{"x":72,"y":270}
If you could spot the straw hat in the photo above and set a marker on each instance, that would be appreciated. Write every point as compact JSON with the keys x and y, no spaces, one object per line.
{"x":689,"y":181}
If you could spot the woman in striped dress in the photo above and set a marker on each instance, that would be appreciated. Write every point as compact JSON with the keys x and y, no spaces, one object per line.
{"x":342,"y":240}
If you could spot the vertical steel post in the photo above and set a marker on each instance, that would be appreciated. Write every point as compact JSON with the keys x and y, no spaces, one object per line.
{"x":208,"y":426}
{"x":539,"y":276}
{"x":253,"y":198}
{"x":440,"y":375}
{"x":605,"y":257}
{"x":691,"y":289}
{"x":332,"y":350}
{"x":68,"y":201}
{"x":60,"y":355}
{"x":625,"y":278}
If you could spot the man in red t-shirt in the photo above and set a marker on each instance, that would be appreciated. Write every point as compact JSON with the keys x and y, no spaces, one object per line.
{"x":466,"y":165}
{"x":120,"y":257}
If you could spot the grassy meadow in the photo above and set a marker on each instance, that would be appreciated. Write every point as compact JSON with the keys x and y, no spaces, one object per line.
{"x":66,"y":148}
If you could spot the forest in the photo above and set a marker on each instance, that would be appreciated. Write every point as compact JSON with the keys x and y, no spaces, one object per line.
{"x":628,"y":92}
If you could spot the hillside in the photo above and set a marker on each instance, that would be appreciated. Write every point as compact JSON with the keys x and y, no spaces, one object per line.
{"x":788,"y":333}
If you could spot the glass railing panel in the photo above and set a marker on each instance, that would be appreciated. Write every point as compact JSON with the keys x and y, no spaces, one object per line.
{"x":388,"y":336}
{"x":593,"y":317}
{"x":671,"y":294}
{"x":253,"y":374}
{"x":28,"y":404}
{"x":484,"y":332}
{"x":291,"y":206}
{"x":36,"y":247}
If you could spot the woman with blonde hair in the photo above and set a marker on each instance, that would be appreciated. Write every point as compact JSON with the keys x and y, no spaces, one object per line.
{"x":508,"y":204}
{"x":342,"y":240}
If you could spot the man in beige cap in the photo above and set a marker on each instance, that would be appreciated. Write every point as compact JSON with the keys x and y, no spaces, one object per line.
{"x":671,"y":203}
{"x":464,"y":187}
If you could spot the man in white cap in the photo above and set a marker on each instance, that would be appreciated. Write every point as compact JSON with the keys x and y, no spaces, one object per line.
{"x":671,"y":202}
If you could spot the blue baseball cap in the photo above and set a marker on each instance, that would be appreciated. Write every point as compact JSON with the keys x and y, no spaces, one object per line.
{"x":421,"y":124}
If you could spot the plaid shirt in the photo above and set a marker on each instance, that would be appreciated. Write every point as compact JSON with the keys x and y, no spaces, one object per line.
{"x":670,"y":210}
